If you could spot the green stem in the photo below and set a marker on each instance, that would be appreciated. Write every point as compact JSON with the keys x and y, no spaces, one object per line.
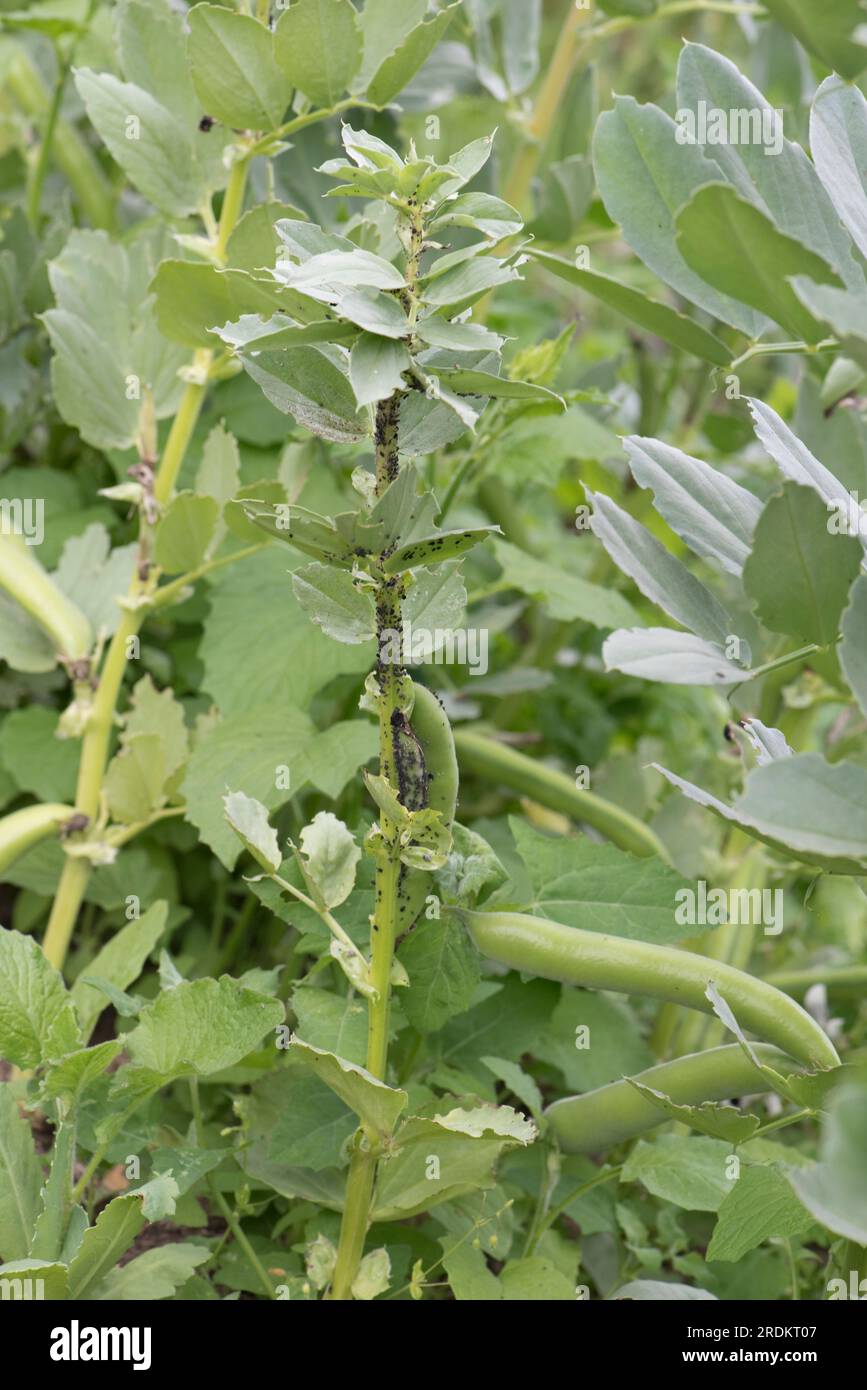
{"x":97,"y":736}
{"x":506,"y":766}
{"x":169,"y":592}
{"x":34,"y":192}
{"x":837,"y":978}
{"x":51,"y":1226}
{"x":556,"y":1212}
{"x":229,"y":1216}
{"x":73,"y":157}
{"x":548,"y":102}
{"x":731,"y":942}
{"x":353,"y":1228}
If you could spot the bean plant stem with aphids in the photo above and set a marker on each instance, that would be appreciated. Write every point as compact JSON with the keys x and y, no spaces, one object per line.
{"x":372,"y":331}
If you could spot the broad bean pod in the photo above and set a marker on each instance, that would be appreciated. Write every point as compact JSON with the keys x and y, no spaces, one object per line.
{"x":556,"y":952}
{"x":21,"y":830}
{"x":597,"y":1120}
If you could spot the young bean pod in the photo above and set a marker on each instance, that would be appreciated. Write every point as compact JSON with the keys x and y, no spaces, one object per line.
{"x":24,"y":579}
{"x":507,"y":767}
{"x":556,"y":952}
{"x":597,"y":1120}
{"x":425,"y":757}
{"x":23,"y":829}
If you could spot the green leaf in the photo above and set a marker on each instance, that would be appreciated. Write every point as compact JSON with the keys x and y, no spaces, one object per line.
{"x":318,"y":46}
{"x":376,"y":367}
{"x":812,"y":809}
{"x":248,"y":748}
{"x":714,"y":515}
{"x":798,"y":574}
{"x":688,"y":1172}
{"x":840,"y":313}
{"x":834,"y":1191}
{"x":105,"y":339}
{"x":838,"y":140}
{"x":219,"y":475}
{"x":336,"y":1023}
{"x":171,"y":166}
{"x":566,"y":595}
{"x":157,"y":712}
{"x":505,"y":1023}
{"x":20,"y":1180}
{"x":255,"y":241}
{"x":376,"y":1105}
{"x":311,"y":384}
{"x":443,"y":969}
{"x":765,"y":168}
{"x":36,"y":1016}
{"x":480,"y":211}
{"x":467,"y":382}
{"x":258,"y":646}
{"x":661,"y":1290}
{"x":383,"y":29}
{"x":644,"y":175}
{"x":335,"y":603}
{"x":311,"y":1124}
{"x":661,"y":577}
{"x":466,"y":1145}
{"x":592,"y":1040}
{"x":134,"y":779}
{"x":536,"y":1279}
{"x":403,"y":63}
{"x":793,"y":457}
{"x":735,"y":248}
{"x":518,"y":1082}
{"x":373,"y":1277}
{"x":761,"y":1205}
{"x":151,"y":38}
{"x":93,"y":576}
{"x":120,"y":962}
{"x":202,"y":1026}
{"x":853,"y":648}
{"x":827,"y":32}
{"x":657,"y":318}
{"x":195,"y":299}
{"x":185,"y":532}
{"x":330,"y":857}
{"x":717,"y":1121}
{"x":599,"y":887}
{"x":663,"y":654}
{"x":33,"y":755}
{"x":52,"y":1273}
{"x":72,"y":1075}
{"x":153,"y":1275}
{"x":115,"y":1229}
{"x":469,"y":1277}
{"x":249,"y":820}
{"x":235,"y":73}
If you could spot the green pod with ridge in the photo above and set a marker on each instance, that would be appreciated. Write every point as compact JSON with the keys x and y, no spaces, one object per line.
{"x":21,"y":830}
{"x":598,"y":1120}
{"x":597,"y":961}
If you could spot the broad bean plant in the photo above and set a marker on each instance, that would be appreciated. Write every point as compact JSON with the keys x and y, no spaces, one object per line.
{"x":433,"y":624}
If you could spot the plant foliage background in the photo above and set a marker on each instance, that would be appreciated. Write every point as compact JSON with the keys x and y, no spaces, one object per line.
{"x":405,"y":285}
